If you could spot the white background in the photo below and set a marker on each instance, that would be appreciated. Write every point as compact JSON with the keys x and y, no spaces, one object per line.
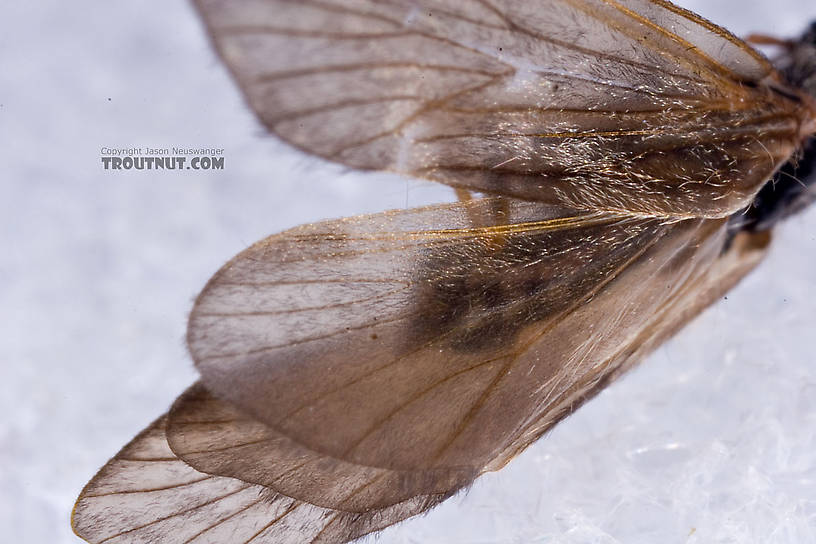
{"x":711,"y":440}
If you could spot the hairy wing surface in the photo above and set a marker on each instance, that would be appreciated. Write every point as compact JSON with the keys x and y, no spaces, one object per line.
{"x":705,"y":286}
{"x":616,"y":105}
{"x":147,"y":494}
{"x":413,"y":342}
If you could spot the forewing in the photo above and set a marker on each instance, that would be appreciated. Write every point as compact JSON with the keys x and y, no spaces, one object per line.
{"x":629,"y":105}
{"x":703,"y":287}
{"x":414,"y":341}
{"x":146,"y":494}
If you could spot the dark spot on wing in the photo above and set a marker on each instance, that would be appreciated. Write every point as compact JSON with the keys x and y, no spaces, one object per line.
{"x":477,"y":295}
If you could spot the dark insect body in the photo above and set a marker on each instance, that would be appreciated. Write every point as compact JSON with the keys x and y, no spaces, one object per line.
{"x":357,"y":372}
{"x":791,"y":189}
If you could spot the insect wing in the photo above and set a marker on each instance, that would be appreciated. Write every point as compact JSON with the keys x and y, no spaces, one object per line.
{"x":629,"y":105}
{"x":414,"y":343}
{"x":147,"y":494}
{"x":358,"y":372}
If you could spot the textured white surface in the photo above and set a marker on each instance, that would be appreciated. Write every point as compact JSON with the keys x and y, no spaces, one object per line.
{"x":711,"y":440}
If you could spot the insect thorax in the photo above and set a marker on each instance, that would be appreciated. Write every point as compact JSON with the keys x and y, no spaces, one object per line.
{"x":793,"y":187}
{"x":799,"y":64}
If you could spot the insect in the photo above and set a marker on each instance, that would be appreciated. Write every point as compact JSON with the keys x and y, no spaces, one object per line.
{"x":632,"y":159}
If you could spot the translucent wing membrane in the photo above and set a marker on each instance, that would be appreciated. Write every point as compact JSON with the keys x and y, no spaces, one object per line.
{"x":630,"y":105}
{"x":215,"y":437}
{"x":358,"y":372}
{"x":413,"y":342}
{"x":146,"y":494}
{"x":692,"y":296}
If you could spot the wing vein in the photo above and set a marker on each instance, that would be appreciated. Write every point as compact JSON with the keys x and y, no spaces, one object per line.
{"x":514,"y":357}
{"x":362,"y":66}
{"x":187,"y":511}
{"x":150,"y":490}
{"x":268,"y":29}
{"x":288,"y":511}
{"x":350,"y":103}
{"x":381,"y":296}
{"x":512,"y":25}
{"x":730,"y":75}
{"x":220,"y":521}
{"x":230,"y":447}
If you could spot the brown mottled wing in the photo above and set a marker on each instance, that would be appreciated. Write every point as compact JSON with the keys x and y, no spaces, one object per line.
{"x":621,"y":105}
{"x":415,"y":347}
{"x":214,"y":436}
{"x":147,"y":494}
{"x":698,"y":292}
